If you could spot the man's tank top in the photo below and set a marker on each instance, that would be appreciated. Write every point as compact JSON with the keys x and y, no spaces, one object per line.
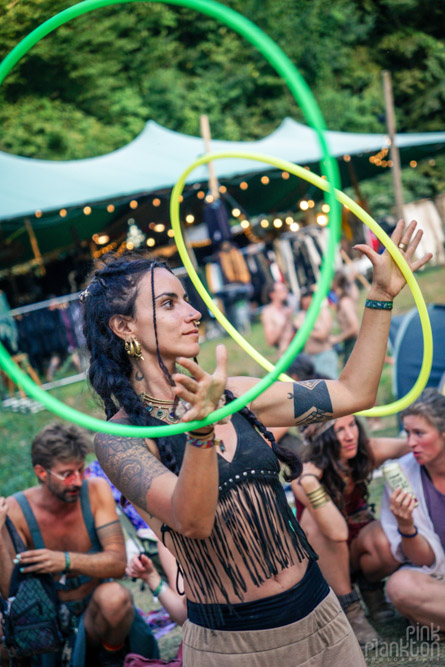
{"x":71,"y":582}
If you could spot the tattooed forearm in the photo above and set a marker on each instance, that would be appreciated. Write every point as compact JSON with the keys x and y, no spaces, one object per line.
{"x":110,"y":533}
{"x":312,"y":402}
{"x":129,"y":465}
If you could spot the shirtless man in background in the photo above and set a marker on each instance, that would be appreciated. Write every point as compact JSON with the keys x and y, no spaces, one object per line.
{"x":277,"y":318}
{"x":318,"y":346}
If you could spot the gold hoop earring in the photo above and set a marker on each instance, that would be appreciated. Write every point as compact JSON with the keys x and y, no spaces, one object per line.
{"x":133,"y":348}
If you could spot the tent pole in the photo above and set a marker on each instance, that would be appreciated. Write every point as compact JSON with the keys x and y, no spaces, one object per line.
{"x":205,"y":133}
{"x":35,"y":246}
{"x":395,"y":157}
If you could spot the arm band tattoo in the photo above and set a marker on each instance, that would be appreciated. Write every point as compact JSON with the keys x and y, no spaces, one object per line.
{"x":110,"y":531}
{"x":312,"y":402}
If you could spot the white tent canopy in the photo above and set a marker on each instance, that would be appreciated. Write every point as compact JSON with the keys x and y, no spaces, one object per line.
{"x":157,"y":157}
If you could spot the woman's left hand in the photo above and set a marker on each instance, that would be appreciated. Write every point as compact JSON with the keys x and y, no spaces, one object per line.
{"x":402,"y":504}
{"x":387,"y":278}
{"x":201,"y":390}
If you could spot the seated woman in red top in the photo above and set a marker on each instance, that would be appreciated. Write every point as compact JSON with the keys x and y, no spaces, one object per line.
{"x":332,"y":507}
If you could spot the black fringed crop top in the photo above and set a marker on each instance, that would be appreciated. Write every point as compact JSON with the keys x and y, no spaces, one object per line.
{"x":255,"y":533}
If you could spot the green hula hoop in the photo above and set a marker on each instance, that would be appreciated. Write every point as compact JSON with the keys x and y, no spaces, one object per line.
{"x":299,"y":340}
{"x":296,"y":84}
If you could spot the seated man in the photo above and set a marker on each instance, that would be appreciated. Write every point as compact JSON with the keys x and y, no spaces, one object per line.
{"x":71,"y":530}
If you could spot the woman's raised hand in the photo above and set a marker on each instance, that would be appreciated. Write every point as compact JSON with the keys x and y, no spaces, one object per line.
{"x":402,"y":504}
{"x":387,"y":278}
{"x":201,"y":390}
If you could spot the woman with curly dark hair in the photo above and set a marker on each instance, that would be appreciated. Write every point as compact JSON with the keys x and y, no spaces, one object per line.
{"x":340,"y":459}
{"x":213,"y":495}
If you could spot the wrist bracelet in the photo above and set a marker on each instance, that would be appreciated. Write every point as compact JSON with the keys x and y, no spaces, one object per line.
{"x":408,"y":536}
{"x":308,"y":474}
{"x":159,"y":588}
{"x":67,"y":562}
{"x":198,"y":434}
{"x":318,"y":498}
{"x":378,"y":305}
{"x":204,"y":442}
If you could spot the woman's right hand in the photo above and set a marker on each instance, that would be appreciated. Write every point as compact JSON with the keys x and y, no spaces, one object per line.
{"x":201,"y":390}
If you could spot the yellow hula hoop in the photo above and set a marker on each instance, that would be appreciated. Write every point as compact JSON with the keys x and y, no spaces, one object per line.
{"x":378,"y":411}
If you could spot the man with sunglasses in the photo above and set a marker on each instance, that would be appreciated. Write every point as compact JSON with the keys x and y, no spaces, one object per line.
{"x":71,"y":529}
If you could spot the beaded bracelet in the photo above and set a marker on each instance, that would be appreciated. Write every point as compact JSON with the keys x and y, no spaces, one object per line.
{"x":67,"y":562}
{"x":378,"y":305}
{"x":408,"y":536}
{"x":204,"y":442}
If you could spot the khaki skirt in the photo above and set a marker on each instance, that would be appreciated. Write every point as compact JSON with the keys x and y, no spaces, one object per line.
{"x":323,"y":638}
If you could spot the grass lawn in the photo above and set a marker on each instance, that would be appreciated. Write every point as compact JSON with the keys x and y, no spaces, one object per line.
{"x":17,"y":431}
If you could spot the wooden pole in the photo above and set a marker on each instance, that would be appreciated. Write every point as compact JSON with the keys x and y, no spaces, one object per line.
{"x":35,"y":246}
{"x":205,"y":133}
{"x":395,"y":157}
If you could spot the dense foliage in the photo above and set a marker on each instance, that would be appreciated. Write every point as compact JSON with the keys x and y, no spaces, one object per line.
{"x":89,"y":87}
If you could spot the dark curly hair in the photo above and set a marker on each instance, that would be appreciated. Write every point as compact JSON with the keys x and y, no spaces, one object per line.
{"x":324,"y":452}
{"x":113,"y":289}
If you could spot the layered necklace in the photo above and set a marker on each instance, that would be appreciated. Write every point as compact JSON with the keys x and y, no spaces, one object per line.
{"x":169,"y":411}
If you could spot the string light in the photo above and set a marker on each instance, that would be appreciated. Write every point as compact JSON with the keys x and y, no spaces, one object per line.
{"x":277,"y":223}
{"x":347,"y":158}
{"x":201,"y":194}
{"x":413,"y":164}
{"x":100,"y":239}
{"x":284,"y":175}
{"x":135,"y":236}
{"x":289,"y":220}
{"x":311,"y":203}
{"x":322,"y":219}
{"x":160,"y":227}
{"x":87,"y":210}
{"x":325,"y":208}
{"x":264,"y":223}
{"x":265,"y":180}
{"x":151,"y":242}
{"x":133,"y":203}
{"x":38,"y":213}
{"x":156,"y":201}
{"x":181,"y":199}
{"x":222,"y":189}
{"x":62,"y":212}
{"x":294,"y":227}
{"x":245,"y":224}
{"x":303,"y":205}
{"x":243,"y":185}
{"x":209,"y":199}
{"x":190,"y":218}
{"x":110,"y":208}
{"x":171,"y":233}
{"x":236,"y":212}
